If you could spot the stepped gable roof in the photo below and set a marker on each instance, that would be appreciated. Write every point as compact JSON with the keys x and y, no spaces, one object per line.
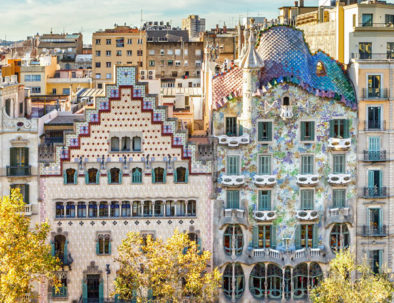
{"x":286,"y":55}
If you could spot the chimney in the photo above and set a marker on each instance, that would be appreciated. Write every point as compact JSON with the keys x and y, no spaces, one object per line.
{"x":301,"y":3}
{"x":296,"y":3}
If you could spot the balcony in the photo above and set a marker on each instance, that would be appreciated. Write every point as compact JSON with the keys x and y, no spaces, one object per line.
{"x":370,"y":94}
{"x":232,"y":180}
{"x":339,"y":143}
{"x":374,"y":125}
{"x":307,"y":215}
{"x":308,"y":180}
{"x":232,"y":216}
{"x":339,"y":215}
{"x":18,"y":171}
{"x":308,"y":254}
{"x":369,"y":26}
{"x":369,"y":231}
{"x":267,"y":253}
{"x":339,"y":179}
{"x":375,"y":156}
{"x":62,"y":293}
{"x":231,"y":141}
{"x":264,"y":180}
{"x":374,"y":192}
{"x":289,"y":257}
{"x":264,"y":215}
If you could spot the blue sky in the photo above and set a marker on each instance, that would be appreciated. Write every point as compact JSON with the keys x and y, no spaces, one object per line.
{"x":21,"y":18}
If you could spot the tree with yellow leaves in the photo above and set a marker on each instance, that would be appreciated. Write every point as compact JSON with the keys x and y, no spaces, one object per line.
{"x":169,"y":271}
{"x":25,"y":256}
{"x":349,"y":282}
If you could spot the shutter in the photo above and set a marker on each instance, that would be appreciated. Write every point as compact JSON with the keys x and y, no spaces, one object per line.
{"x":13,"y":152}
{"x":199,"y":250}
{"x":374,"y":144}
{"x":240,"y":130}
{"x":27,"y":194}
{"x":76,"y":176}
{"x":175,"y":176}
{"x":187,"y":175}
{"x":297,"y":237}
{"x":346,"y":132}
{"x":25,"y":158}
{"x":153,"y":176}
{"x":66,"y":253}
{"x":315,"y":236}
{"x":109,"y":177}
{"x":109,"y":248}
{"x":84,"y":291}
{"x":236,"y":199}
{"x":380,"y":179}
{"x":380,"y":259}
{"x":380,"y":124}
{"x":268,"y":205}
{"x":269,"y":131}
{"x":120,"y":177}
{"x":52,"y":249}
{"x":255,"y":236}
{"x":302,"y":131}
{"x":98,"y":177}
{"x":260,"y":131}
{"x":97,"y":247}
{"x":86,"y":177}
{"x":164,"y":176}
{"x":273,"y":236}
{"x":101,"y":291}
{"x":369,"y":220}
{"x":380,"y":220}
{"x":370,"y":178}
{"x":332,"y":134}
{"x":116,"y":298}
{"x":312,"y":130}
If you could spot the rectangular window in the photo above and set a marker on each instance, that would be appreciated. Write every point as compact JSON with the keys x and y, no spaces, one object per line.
{"x":374,"y":86}
{"x":139,"y":41}
{"x":264,"y":236}
{"x":365,"y":50}
{"x":98,"y":41}
{"x":374,"y":117}
{"x":389,"y":19}
{"x":151,"y":62}
{"x":374,"y":149}
{"x":264,"y":132}
{"x":367,"y":19}
{"x":374,"y":180}
{"x":24,"y":190}
{"x":139,"y":52}
{"x":129,"y":41}
{"x":177,"y":52}
{"x":233,"y":199}
{"x":120,"y":42}
{"x":390,"y":50}
{"x":118,"y":53}
{"x":98,"y":76}
{"x":19,"y":162}
{"x":232,"y":165}
{"x":265,"y":165}
{"x":185,"y":52}
{"x":264,"y":200}
{"x":375,"y":220}
{"x":170,"y":63}
{"x":339,"y":128}
{"x":66,"y":91}
{"x":375,"y":260}
{"x":177,"y":63}
{"x":307,"y":199}
{"x":32,"y":78}
{"x":307,"y":165}
{"x":231,"y":126}
{"x":108,"y":64}
{"x":338,"y":161}
{"x":306,"y":236}
{"x":151,"y":52}
{"x":339,"y":198}
{"x":108,"y":76}
{"x":36,"y":90}
{"x":98,"y":64}
{"x":162,"y":52}
{"x":198,"y":52}
{"x":307,"y":131}
{"x":98,"y":53}
{"x":108,"y":41}
{"x":129,"y":53}
{"x":354,"y":20}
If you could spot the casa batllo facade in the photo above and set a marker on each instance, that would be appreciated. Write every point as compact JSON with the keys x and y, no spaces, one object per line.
{"x":126,"y":168}
{"x":286,"y":125}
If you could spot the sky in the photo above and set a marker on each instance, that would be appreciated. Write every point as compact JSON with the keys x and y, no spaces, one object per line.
{"x":22,"y":18}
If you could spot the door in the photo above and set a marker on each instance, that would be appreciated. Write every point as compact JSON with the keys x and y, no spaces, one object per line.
{"x":93,"y":288}
{"x":374,"y":148}
{"x":374,"y":121}
{"x":374,"y":86}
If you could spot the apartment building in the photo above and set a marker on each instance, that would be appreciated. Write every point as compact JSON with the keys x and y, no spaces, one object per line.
{"x":68,"y":82}
{"x":288,"y":14}
{"x":194,"y":25}
{"x":117,"y":46}
{"x":60,"y":43}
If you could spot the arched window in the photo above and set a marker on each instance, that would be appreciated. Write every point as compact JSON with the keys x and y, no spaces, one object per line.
{"x":115,"y":144}
{"x":92,"y":176}
{"x":286,"y":101}
{"x":103,"y":245}
{"x":159,"y":208}
{"x":81,"y":210}
{"x":315,"y":275}
{"x":61,"y":248}
{"x":70,"y":210}
{"x":136,"y":144}
{"x":137,"y":209}
{"x":181,"y":208}
{"x":125,"y":144}
{"x":257,"y":281}
{"x":147,"y":209}
{"x":158,"y":175}
{"x":237,"y":246}
{"x":136,"y":175}
{"x":115,"y":211}
{"x":339,"y":237}
{"x":181,"y":175}
{"x":103,"y":210}
{"x":239,"y":277}
{"x":126,"y":211}
{"x":274,"y":281}
{"x":320,"y":70}
{"x":300,"y":281}
{"x":191,"y":208}
{"x":114,"y":176}
{"x":59,"y":210}
{"x":170,"y":209}
{"x":70,"y":176}
{"x":92,"y":209}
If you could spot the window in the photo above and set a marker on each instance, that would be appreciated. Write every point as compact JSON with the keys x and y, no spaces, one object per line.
{"x":390,"y":50}
{"x":98,"y":41}
{"x":147,"y":209}
{"x":186,"y":63}
{"x":108,"y":53}
{"x":306,"y":236}
{"x":174,"y":74}
{"x":170,"y":209}
{"x":365,"y":50}
{"x":59,"y":210}
{"x":264,"y":200}
{"x":108,"y":76}
{"x":126,"y":211}
{"x":19,"y":162}
{"x":257,"y":283}
{"x":158,"y":175}
{"x":129,"y":41}
{"x":231,"y":126}
{"x":198,"y":63}
{"x":103,"y":209}
{"x":125,"y":144}
{"x":307,"y":130}
{"x":374,"y":86}
{"x":191,"y":208}
{"x":232,"y":199}
{"x":115,"y":211}
{"x":264,"y":236}
{"x":198,"y":52}
{"x":103,"y":245}
{"x":137,"y":211}
{"x":374,"y":149}
{"x":264,"y":132}
{"x":231,"y":247}
{"x":100,"y":85}
{"x":307,"y":199}
{"x":136,"y":175}
{"x":114,"y":176}
{"x":36,"y":90}
{"x":108,"y":64}
{"x":170,"y":52}
{"x":233,"y":271}
{"x":274,"y":281}
{"x":108,"y":41}
{"x":374,"y":181}
{"x":118,"y":53}
{"x":120,"y":42}
{"x":136,"y":144}
{"x":151,"y":52}
{"x":159,"y":209}
{"x":367,"y":19}
{"x":81,"y":210}
{"x":21,"y":108}
{"x":98,"y":53}
{"x":375,"y":260}
{"x":66,"y":91}
{"x":177,"y":52}
{"x":170,"y":62}
{"x":98,"y":64}
{"x":129,"y":53}
{"x":114,"y":144}
{"x":70,"y":210}
{"x":92,"y":176}
{"x":151,"y":62}
{"x":233,"y":165}
{"x":375,"y":221}
{"x":307,"y":165}
{"x":300,"y":281}
{"x":339,"y":166}
{"x":339,"y":237}
{"x":32,"y":78}
{"x":339,"y":198}
{"x":139,"y":41}
{"x":162,"y":52}
{"x":181,"y":175}
{"x":139,"y":52}
{"x":8,"y":107}
{"x":339,"y":128}
{"x":98,"y":76}
{"x":24,"y":190}
{"x":70,"y":176}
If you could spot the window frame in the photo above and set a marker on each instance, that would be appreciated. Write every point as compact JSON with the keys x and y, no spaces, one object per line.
{"x":269,"y":131}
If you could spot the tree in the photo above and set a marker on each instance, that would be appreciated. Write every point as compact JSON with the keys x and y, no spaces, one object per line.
{"x":167,"y":271}
{"x":349,"y":282}
{"x":25,"y":256}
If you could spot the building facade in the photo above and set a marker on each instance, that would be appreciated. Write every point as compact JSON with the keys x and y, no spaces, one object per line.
{"x":120,"y":45}
{"x":68,"y":82}
{"x":194,"y":25}
{"x":285,"y":200}
{"x":125,"y":168}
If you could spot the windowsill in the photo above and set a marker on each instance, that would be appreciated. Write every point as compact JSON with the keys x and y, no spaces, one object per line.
{"x":128,"y":217}
{"x":264,"y":142}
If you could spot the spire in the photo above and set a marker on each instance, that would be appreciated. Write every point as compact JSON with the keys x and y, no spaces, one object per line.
{"x":251,"y":58}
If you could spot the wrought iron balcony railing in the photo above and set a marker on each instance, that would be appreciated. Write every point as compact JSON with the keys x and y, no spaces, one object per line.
{"x":18,"y":171}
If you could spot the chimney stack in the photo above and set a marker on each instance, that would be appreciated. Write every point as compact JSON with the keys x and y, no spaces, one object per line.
{"x":296,"y":3}
{"x":301,"y":3}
